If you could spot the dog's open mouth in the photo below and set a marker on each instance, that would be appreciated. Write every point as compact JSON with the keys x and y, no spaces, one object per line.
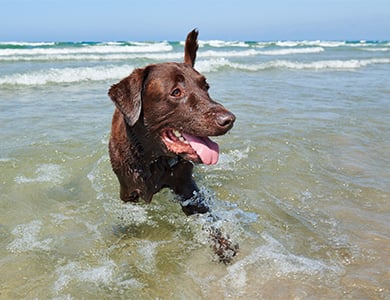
{"x":197,"y":149}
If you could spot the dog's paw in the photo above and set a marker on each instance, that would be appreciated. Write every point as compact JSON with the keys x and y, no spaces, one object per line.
{"x":222,"y":246}
{"x":195,"y":205}
{"x":198,"y":208}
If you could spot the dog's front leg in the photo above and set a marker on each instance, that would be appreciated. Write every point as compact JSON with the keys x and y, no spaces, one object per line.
{"x":184,"y":186}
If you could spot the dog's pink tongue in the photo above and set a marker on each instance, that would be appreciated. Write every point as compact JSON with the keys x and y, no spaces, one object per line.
{"x":207,"y":150}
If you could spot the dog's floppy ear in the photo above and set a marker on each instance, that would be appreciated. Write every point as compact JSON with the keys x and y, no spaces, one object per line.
{"x":190,"y":48}
{"x":127,"y":95}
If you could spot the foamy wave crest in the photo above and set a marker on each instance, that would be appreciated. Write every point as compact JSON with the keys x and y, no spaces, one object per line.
{"x":129,"y":213}
{"x":293,"y":51}
{"x":327,"y":44}
{"x":221,"y":44}
{"x":319,"y":43}
{"x":45,"y":173}
{"x":280,"y":260}
{"x":215,"y":65}
{"x":211,"y":53}
{"x":92,"y":57}
{"x":330,"y":64}
{"x":67,"y":75}
{"x":101,"y":73}
{"x":28,"y":44}
{"x":103,"y":274}
{"x":27,"y":238}
{"x":376,"y":49}
{"x":161,"y":56}
{"x":88,"y":49}
{"x":254,"y":52}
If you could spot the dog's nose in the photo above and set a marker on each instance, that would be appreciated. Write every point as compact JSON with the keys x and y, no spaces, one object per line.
{"x":226,"y":120}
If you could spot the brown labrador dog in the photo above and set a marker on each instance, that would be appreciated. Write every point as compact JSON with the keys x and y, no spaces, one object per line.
{"x":161,"y":124}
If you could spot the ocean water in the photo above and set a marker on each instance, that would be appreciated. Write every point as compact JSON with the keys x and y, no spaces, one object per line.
{"x":302,"y":184}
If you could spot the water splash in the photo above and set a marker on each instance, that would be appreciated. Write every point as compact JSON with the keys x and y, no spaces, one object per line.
{"x":51,"y":173}
{"x":28,"y":238}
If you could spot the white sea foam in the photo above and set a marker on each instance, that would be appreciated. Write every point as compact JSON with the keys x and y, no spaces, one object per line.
{"x":293,"y":51}
{"x":94,"y":57}
{"x":44,"y":173}
{"x":376,"y":49}
{"x":112,"y":72}
{"x":129,"y":213}
{"x":103,"y":274}
{"x":228,"y":161}
{"x":97,"y":175}
{"x":279,"y":262}
{"x":67,"y":75}
{"x":215,"y":65}
{"x":164,"y":51}
{"x":100,"y":49}
{"x":212,"y":53}
{"x":59,"y":219}
{"x":31,"y":44}
{"x":158,"y":56}
{"x":329,"y":64}
{"x":212,"y":65}
{"x":319,"y":43}
{"x":328,"y":44}
{"x":27,"y":238}
{"x":225,"y":216}
{"x":220,"y":44}
{"x":100,"y":73}
{"x":112,"y":43}
{"x":147,"y":250}
{"x":173,"y":56}
{"x":6,"y":159}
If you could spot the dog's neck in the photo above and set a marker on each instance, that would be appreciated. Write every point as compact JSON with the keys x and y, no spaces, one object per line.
{"x":137,"y":151}
{"x":143,"y":157}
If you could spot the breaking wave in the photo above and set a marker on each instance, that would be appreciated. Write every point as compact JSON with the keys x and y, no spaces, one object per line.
{"x":50,"y":173}
{"x":106,"y":55}
{"x":67,"y":75}
{"x":101,"y":49}
{"x":293,"y":51}
{"x":217,"y":64}
{"x":101,"y":73}
{"x":27,"y":238}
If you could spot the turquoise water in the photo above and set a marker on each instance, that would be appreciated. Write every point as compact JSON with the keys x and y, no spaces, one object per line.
{"x":302,"y":183}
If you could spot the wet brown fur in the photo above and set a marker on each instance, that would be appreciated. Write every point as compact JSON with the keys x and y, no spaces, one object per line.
{"x":145,"y":107}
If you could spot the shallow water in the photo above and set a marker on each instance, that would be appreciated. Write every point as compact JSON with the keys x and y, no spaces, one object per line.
{"x":302,"y":184}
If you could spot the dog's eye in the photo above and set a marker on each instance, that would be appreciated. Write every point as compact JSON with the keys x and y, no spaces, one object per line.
{"x":176,"y":93}
{"x":204,"y":84}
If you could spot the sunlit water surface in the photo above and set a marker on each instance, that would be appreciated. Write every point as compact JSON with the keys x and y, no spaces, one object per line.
{"x":302,"y":184}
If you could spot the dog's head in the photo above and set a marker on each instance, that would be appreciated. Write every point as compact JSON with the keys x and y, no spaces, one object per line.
{"x":172,"y":101}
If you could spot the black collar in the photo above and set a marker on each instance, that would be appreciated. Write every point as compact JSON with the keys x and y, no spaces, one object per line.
{"x":173,"y":161}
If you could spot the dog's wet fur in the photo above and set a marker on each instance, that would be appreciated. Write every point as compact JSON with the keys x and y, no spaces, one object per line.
{"x":160,"y":128}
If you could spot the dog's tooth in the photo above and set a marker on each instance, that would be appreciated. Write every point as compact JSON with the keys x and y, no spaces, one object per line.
{"x":181,"y":139}
{"x":177,"y":133}
{"x":168,"y":140}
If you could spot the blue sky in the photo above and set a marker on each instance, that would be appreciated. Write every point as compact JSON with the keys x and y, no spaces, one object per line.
{"x":146,"y":20}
